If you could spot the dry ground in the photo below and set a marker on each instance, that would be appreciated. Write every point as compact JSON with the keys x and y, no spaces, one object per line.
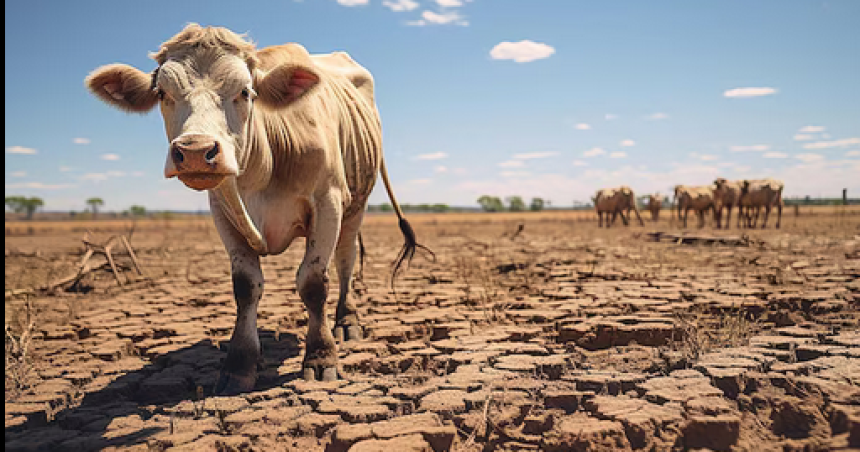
{"x":558,"y":336}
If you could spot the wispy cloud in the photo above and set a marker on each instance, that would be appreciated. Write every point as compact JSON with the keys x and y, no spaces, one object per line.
{"x":110,"y":157}
{"x":844,"y":143}
{"x":535,"y":155}
{"x":421,"y":181}
{"x":66,"y":169}
{"x":809,"y":158}
{"x":580,"y":163}
{"x":21,"y":150}
{"x":440,"y":169}
{"x":593,"y":152}
{"x":775,"y":155}
{"x":752,"y":148}
{"x":400,"y":5}
{"x":803,"y":137}
{"x":443,"y":18}
{"x":618,"y":155}
{"x":811,"y":129}
{"x":656,"y":116}
{"x":522,"y":51}
{"x":749,"y":92}
{"x":353,"y":2}
{"x":512,"y":164}
{"x":582,"y":126}
{"x":610,"y":116}
{"x":18,"y":174}
{"x":81,"y":140}
{"x":852,"y":154}
{"x":433,"y":156}
{"x":38,"y":186}
{"x":450,"y":3}
{"x":627,"y":143}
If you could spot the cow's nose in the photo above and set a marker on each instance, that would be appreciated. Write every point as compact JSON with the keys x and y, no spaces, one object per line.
{"x":195,"y":154}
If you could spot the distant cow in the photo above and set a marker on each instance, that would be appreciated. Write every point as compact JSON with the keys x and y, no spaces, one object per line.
{"x":289,"y":145}
{"x":766,"y":193}
{"x":697,"y":198}
{"x":728,"y":195}
{"x":615,"y":201}
{"x":655,"y":203}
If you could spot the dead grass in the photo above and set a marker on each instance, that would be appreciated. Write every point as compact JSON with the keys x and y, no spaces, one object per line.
{"x":19,"y":335}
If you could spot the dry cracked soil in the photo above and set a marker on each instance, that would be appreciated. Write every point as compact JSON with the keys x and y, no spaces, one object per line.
{"x":558,"y":337}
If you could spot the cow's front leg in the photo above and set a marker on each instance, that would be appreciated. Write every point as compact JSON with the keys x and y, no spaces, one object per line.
{"x":320,"y":361}
{"x":347,"y":326}
{"x":239,"y":370}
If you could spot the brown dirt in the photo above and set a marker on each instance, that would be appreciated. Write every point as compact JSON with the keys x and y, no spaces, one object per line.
{"x":564,"y":337}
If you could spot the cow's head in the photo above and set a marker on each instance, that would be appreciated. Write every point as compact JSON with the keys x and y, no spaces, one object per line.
{"x":720,"y":182}
{"x":206,"y":83}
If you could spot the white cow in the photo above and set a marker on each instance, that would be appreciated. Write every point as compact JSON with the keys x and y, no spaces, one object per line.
{"x":288,"y":145}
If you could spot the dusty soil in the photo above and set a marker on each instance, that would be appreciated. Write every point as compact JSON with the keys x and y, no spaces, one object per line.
{"x":559,"y":336}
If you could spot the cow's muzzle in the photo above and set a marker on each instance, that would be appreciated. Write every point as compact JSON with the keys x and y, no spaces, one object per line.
{"x":198,"y":161}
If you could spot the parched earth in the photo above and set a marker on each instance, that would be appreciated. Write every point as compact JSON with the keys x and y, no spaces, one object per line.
{"x":557,"y":337}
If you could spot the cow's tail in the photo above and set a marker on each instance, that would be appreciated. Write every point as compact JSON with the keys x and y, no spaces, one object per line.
{"x":410,"y":244}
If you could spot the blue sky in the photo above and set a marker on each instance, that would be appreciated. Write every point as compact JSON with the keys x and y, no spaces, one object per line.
{"x":551,"y":99}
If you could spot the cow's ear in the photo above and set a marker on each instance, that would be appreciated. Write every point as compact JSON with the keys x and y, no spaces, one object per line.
{"x":285,"y":84}
{"x":123,"y":86}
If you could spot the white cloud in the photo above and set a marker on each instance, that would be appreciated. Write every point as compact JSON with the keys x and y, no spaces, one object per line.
{"x":580,"y":163}
{"x":583,"y":126}
{"x":440,"y":169}
{"x":593,"y":152}
{"x":510,"y":174}
{"x":752,"y":148}
{"x":522,"y":51}
{"x":852,"y":154}
{"x":38,"y":185}
{"x":110,"y":157}
{"x":21,"y":150}
{"x":433,"y":156}
{"x":81,"y":140}
{"x":809,"y":158}
{"x":95,"y":177}
{"x":421,"y":181}
{"x":353,"y":2}
{"x":445,"y":18}
{"x":400,"y":5}
{"x":844,"y":143}
{"x":535,"y":155}
{"x":512,"y":164}
{"x":610,"y":116}
{"x":749,"y":92}
{"x":627,"y":143}
{"x":811,"y":129}
{"x":18,"y":174}
{"x":66,"y":169}
{"x":775,"y":155}
{"x":618,"y":155}
{"x":708,"y":157}
{"x":449,"y":3}
{"x":803,"y":137}
{"x":656,"y":116}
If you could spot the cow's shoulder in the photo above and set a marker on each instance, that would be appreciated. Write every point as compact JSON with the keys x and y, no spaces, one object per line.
{"x":340,"y":64}
{"x":290,"y":53}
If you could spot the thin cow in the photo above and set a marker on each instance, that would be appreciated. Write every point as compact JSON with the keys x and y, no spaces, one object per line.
{"x":288,"y":145}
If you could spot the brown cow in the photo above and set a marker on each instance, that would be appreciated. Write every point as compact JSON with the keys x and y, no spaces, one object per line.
{"x":697,"y":198}
{"x":756,"y":194}
{"x":615,"y":201}
{"x":728,"y":195}
{"x":288,"y":145}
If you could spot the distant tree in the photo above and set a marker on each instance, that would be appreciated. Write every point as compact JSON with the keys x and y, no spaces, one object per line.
{"x":94,"y":204}
{"x":21,"y":204}
{"x":516,"y":204}
{"x":491,"y":203}
{"x":537,"y":204}
{"x":385,"y":207}
{"x":137,"y":211}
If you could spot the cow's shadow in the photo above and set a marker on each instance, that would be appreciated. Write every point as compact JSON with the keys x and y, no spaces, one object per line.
{"x":185,"y":374}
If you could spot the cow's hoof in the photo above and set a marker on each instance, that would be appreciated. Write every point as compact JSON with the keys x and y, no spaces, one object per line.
{"x":231,"y":384}
{"x":319,"y":373}
{"x":345,"y":333}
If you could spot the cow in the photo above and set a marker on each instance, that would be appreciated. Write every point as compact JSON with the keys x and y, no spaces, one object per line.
{"x":728,"y":195}
{"x":698,"y":198}
{"x":615,"y":201}
{"x":287,"y":145}
{"x":759,"y":193}
{"x":655,"y":203}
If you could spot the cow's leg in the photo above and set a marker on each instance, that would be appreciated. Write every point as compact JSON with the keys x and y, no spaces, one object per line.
{"x":729,"y":216}
{"x":686,"y":214}
{"x":623,"y":217}
{"x":766,"y":216}
{"x":599,"y":219}
{"x":638,"y":217}
{"x":320,"y":361}
{"x":779,"y":213}
{"x":239,"y":370}
{"x":701,"y":214}
{"x":347,"y":326}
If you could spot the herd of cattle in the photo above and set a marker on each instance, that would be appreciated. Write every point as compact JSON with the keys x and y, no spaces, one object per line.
{"x":749,"y":196}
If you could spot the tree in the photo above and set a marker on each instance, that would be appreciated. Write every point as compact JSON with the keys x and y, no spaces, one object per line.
{"x":537,"y":204}
{"x":491,"y":203}
{"x":516,"y":204}
{"x":21,"y":204}
{"x":137,"y":211}
{"x":95,"y":203}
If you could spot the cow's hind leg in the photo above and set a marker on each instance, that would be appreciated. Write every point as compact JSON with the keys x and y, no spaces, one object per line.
{"x":320,"y":361}
{"x":347,"y":326}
